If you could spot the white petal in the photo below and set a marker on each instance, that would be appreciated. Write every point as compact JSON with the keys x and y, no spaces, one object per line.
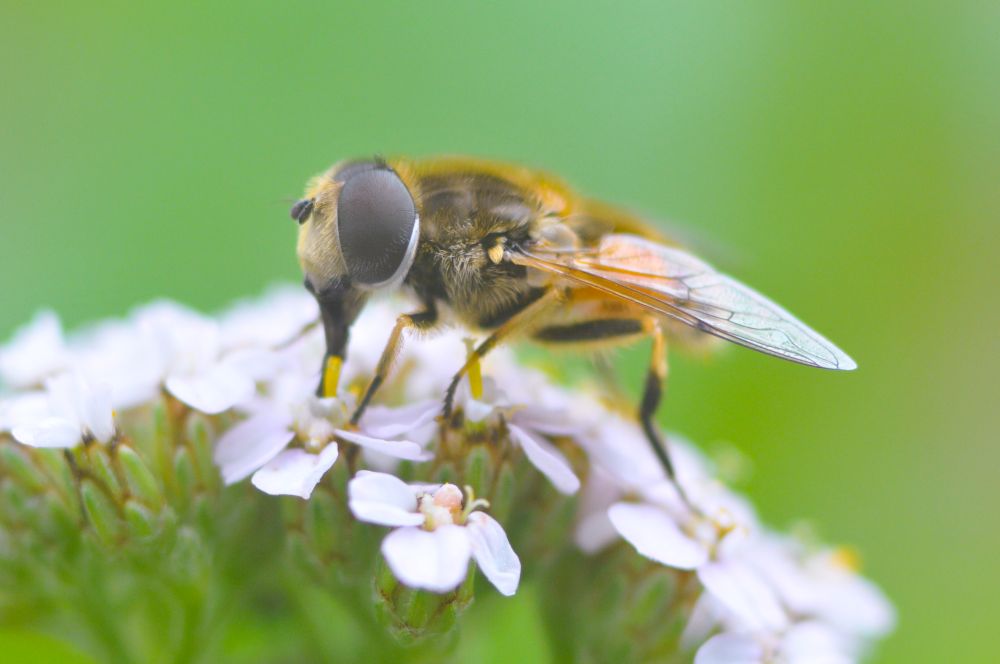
{"x":36,"y":351}
{"x":744,"y":594}
{"x":594,"y":532}
{"x":730,"y":649}
{"x":250,"y":444}
{"x":401,"y":449}
{"x":703,"y":620}
{"x":858,"y":606}
{"x":475,"y":410}
{"x":493,"y":553}
{"x":96,"y":412}
{"x":255,"y":363}
{"x":50,"y":432}
{"x":384,"y":422}
{"x":270,"y":320}
{"x":546,"y":421}
{"x":812,"y":642}
{"x":295,"y":472}
{"x":217,"y":389}
{"x":655,"y":535}
{"x":433,"y":560}
{"x":22,"y":409}
{"x":383,"y":499}
{"x":547,"y":459}
{"x":65,"y":396}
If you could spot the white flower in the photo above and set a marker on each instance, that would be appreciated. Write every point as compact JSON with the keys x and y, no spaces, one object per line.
{"x":803,"y":643}
{"x":268,"y":321}
{"x":528,"y":422}
{"x":125,"y":357}
{"x":435,"y":535}
{"x":191,"y":359}
{"x":36,"y":352}
{"x":258,"y":444}
{"x":76,"y":410}
{"x":822,"y":585}
{"x":642,"y":506}
{"x":791,"y":606}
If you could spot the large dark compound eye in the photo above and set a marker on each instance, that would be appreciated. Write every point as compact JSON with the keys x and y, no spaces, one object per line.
{"x":378,"y":226}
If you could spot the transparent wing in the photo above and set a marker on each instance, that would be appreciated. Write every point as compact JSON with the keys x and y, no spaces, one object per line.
{"x":674,"y":283}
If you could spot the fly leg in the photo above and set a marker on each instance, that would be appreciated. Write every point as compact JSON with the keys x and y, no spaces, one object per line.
{"x":652,"y":393}
{"x":618,"y":331}
{"x":518,"y":323}
{"x":422,"y":320}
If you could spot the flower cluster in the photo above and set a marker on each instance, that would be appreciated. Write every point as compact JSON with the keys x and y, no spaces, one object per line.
{"x":750,"y":594}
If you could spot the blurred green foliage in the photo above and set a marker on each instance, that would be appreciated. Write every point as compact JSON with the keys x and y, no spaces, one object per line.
{"x":842,"y":158}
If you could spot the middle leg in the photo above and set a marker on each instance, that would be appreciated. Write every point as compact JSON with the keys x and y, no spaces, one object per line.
{"x":520,"y":322}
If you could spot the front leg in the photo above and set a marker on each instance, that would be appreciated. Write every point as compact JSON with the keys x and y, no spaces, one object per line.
{"x":422,"y":320}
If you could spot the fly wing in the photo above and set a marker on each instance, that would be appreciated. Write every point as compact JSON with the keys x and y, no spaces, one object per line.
{"x":674,"y":283}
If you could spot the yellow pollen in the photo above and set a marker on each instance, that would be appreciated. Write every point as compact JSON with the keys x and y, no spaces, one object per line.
{"x":331,"y":376}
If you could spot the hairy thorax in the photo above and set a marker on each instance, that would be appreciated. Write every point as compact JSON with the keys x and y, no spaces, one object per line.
{"x":461,"y":218}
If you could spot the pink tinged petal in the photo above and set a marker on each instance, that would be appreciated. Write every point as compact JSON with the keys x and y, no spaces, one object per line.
{"x":493,"y":553}
{"x":50,"y":432}
{"x":744,"y":594}
{"x":383,"y":499}
{"x":730,"y":649}
{"x":655,"y":535}
{"x":250,"y":444}
{"x":547,"y":459}
{"x":217,"y":389}
{"x":435,"y":560}
{"x":295,"y":472}
{"x":384,"y":422}
{"x":401,"y":449}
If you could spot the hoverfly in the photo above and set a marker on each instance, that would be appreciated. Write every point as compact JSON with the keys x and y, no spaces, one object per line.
{"x":515,"y":253}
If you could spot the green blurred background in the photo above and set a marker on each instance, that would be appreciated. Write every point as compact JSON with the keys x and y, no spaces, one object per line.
{"x":842,"y":159}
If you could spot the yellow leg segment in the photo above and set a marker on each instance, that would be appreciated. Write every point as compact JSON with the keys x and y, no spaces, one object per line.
{"x":331,"y":376}
{"x":475,"y":370}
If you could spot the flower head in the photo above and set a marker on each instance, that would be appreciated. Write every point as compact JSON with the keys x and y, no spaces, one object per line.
{"x":246,"y":378}
{"x":436,"y":533}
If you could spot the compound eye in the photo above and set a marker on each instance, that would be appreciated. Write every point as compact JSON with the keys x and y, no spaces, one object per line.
{"x":377,"y":226}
